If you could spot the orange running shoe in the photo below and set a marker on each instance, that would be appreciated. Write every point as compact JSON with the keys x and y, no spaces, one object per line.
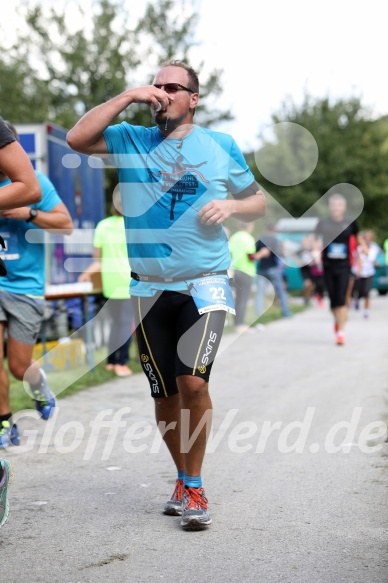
{"x":173,"y":507}
{"x":340,"y":339}
{"x":195,"y":515}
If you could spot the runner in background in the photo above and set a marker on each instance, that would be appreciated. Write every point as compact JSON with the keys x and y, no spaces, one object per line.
{"x":23,"y":188}
{"x":364,"y":270}
{"x":335,"y":232}
{"x":22,"y":300}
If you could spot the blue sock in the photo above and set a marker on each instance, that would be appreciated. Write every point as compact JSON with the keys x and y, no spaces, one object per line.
{"x":193,"y":481}
{"x":181,"y":474}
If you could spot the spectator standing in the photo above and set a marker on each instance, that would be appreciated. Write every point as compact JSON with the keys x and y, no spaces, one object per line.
{"x":111,"y":260}
{"x":242,"y":247}
{"x":385,"y":247}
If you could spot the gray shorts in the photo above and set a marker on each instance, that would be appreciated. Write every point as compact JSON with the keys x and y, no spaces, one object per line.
{"x":23,"y":315}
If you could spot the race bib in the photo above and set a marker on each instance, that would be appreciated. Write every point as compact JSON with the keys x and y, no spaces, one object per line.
{"x":337,"y":251}
{"x":212,"y":292}
{"x":11,"y":250}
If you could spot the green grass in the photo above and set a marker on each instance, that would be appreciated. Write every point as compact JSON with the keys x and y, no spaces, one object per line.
{"x":76,"y":380}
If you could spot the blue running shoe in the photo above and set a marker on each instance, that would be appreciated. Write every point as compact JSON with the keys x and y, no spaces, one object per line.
{"x":9,"y":435}
{"x":4,"y":483}
{"x":43,"y":397}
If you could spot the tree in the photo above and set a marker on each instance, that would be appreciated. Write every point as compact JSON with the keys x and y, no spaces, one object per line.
{"x":76,"y":67}
{"x":352,"y":149}
{"x":80,"y":67}
{"x":21,"y":93}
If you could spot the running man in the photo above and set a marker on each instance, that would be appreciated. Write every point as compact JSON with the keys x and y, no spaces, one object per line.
{"x":22,"y":297}
{"x":23,"y":189}
{"x":336,"y":231}
{"x":178,"y":252}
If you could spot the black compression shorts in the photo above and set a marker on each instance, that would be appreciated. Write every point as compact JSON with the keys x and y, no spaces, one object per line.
{"x":336,"y":282}
{"x":174,"y":339}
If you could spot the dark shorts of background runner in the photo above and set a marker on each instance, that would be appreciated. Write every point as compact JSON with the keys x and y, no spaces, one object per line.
{"x":362,"y":287}
{"x":336,"y":282}
{"x":174,"y":339}
{"x":305,"y":272}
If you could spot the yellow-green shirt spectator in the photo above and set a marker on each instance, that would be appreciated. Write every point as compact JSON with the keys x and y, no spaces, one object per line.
{"x":109,"y":236}
{"x":240,"y":244}
{"x":386,"y":251}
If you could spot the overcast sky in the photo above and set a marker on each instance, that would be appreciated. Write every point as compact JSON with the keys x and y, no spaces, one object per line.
{"x":271,"y":50}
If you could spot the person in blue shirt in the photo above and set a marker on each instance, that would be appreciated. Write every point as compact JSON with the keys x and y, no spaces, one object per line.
{"x":22,"y":189}
{"x":175,"y":178}
{"x":22,"y":295}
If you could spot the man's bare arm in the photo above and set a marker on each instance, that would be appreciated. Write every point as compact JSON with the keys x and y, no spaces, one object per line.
{"x":24,"y":187}
{"x":247,"y":209}
{"x":57,"y":220}
{"x":87,"y":135}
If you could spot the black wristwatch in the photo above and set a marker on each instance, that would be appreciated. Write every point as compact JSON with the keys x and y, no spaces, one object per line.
{"x":33,"y":214}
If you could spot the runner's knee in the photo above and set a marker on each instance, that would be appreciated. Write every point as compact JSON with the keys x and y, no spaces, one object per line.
{"x":17,"y":369}
{"x":18,"y":366}
{"x":191,"y":386}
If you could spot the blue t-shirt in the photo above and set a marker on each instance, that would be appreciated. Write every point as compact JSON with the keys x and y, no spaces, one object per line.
{"x":25,"y":261}
{"x":164,"y":182}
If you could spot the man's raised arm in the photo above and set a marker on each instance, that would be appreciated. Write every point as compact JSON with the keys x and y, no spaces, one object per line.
{"x":87,"y":135}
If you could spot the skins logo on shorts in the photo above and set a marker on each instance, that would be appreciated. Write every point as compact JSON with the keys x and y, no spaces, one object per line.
{"x":152,"y":377}
{"x":206,"y":359}
{"x":202,"y":369}
{"x":150,"y":373}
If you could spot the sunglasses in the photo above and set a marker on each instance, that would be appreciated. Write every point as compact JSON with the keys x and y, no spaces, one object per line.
{"x":173,"y":87}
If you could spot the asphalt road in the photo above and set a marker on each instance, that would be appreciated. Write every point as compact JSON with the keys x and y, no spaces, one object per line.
{"x":296,"y":473}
